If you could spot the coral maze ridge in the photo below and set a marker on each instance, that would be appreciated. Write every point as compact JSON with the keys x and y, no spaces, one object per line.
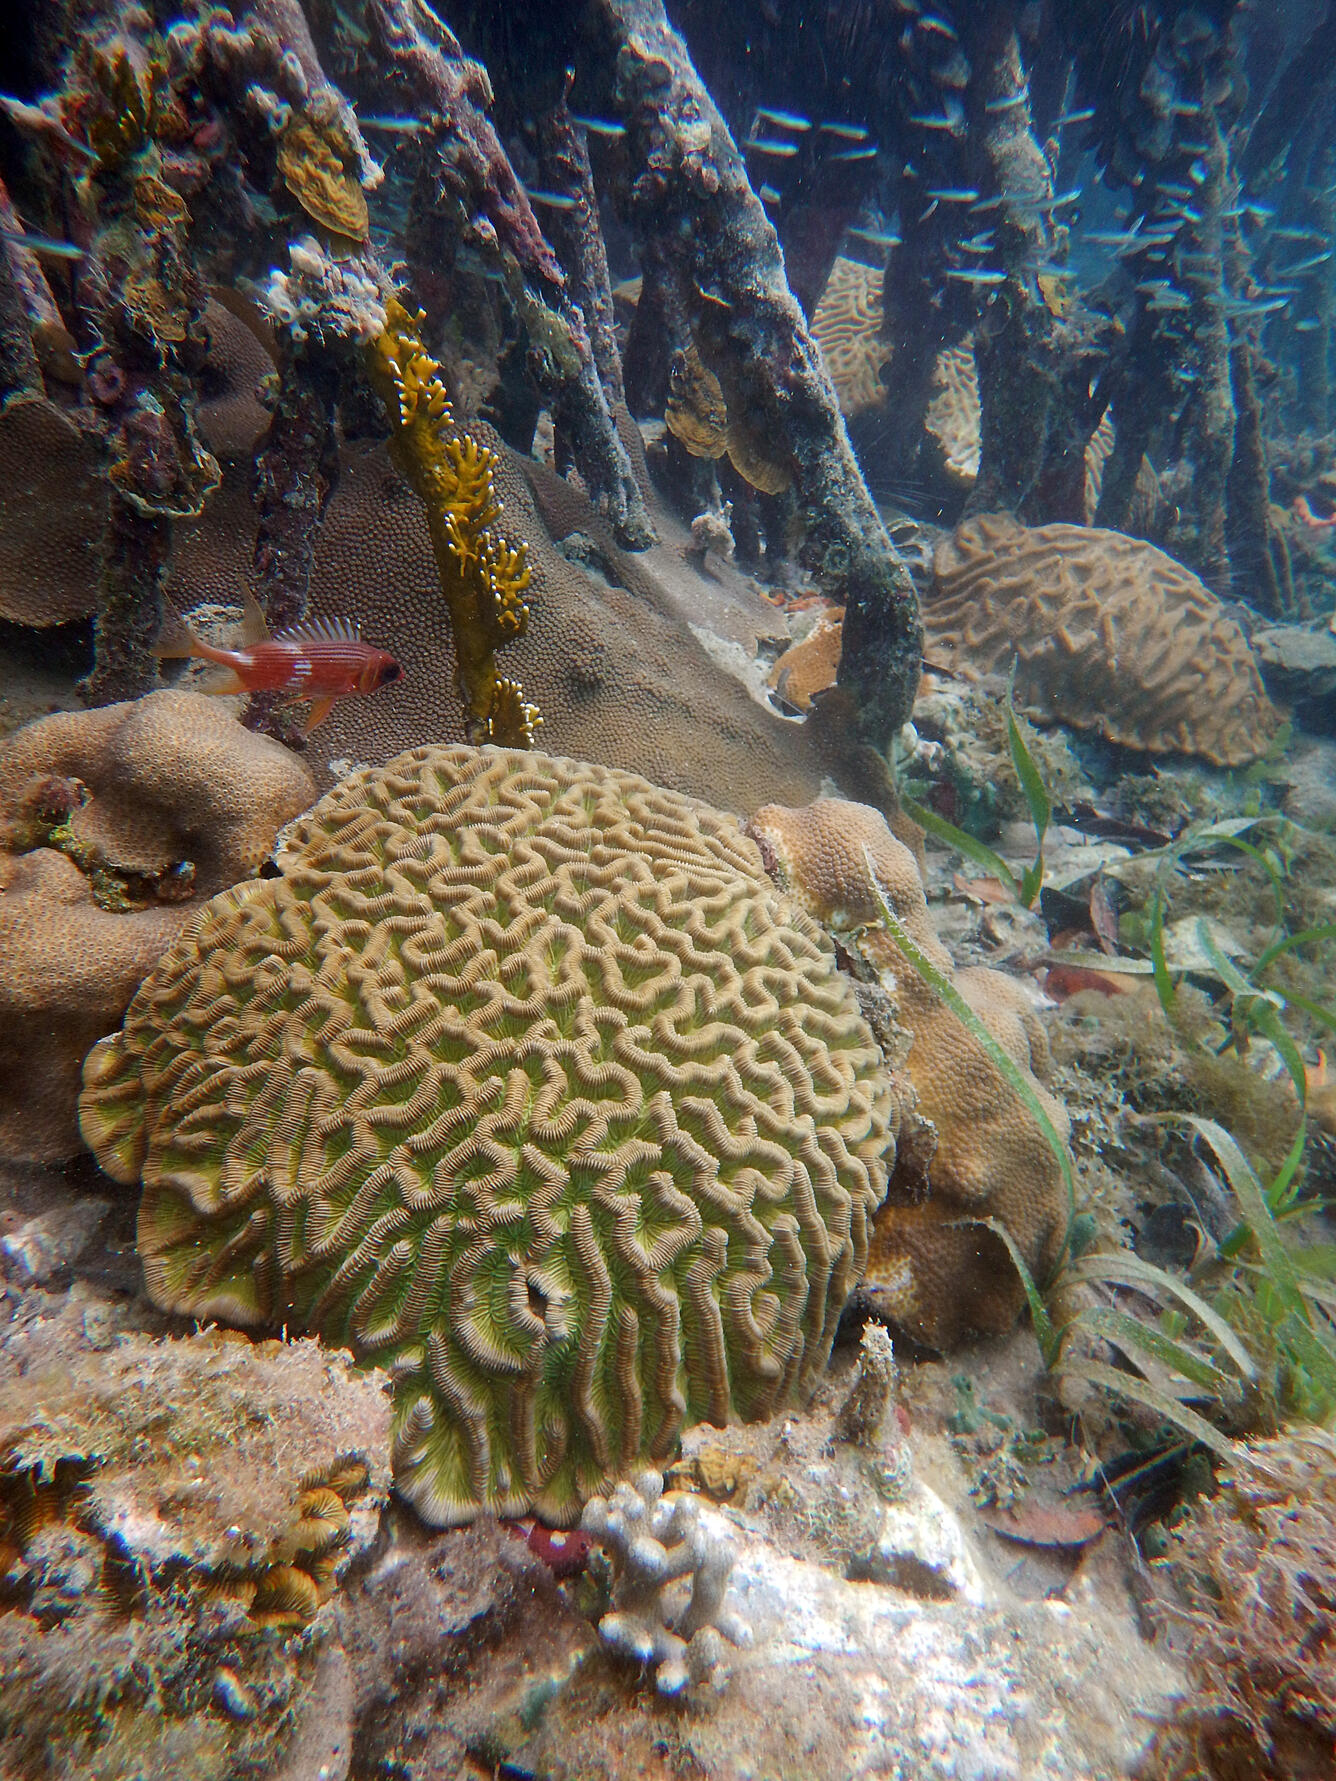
{"x":524,"y":1081}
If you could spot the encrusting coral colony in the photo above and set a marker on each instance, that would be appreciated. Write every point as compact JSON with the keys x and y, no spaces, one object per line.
{"x":594,"y":1261}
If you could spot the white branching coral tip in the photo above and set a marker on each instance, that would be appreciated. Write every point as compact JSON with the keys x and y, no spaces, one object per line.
{"x":671,"y":1569}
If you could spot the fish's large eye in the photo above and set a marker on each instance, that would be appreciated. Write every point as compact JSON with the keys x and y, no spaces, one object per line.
{"x":391,"y":671}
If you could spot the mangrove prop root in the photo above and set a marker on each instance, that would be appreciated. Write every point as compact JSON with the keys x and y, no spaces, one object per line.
{"x":689,"y":202}
{"x":295,"y":473}
{"x":563,"y":158}
{"x":479,"y":192}
{"x":135,"y":553}
{"x":1016,"y":359}
{"x":584,"y":398}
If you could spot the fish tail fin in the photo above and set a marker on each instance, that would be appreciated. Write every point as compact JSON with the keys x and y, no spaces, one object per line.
{"x":175,"y":641}
{"x":220,"y":679}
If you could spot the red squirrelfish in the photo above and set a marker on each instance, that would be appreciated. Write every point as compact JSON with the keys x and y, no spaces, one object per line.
{"x":321,"y":660}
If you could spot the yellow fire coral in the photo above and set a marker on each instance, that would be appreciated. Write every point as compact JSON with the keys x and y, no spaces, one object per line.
{"x":482,"y":575}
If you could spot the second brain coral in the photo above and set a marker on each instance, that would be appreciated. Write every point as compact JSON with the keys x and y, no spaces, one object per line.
{"x":525,"y":1081}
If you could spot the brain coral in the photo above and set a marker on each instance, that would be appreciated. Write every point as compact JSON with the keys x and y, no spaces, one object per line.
{"x":847,"y":328}
{"x":525,"y":1082}
{"x":941,"y":1279}
{"x":953,"y":416}
{"x":1107,"y":634}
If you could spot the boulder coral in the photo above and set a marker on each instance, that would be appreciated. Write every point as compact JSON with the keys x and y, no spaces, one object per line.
{"x":70,"y":971}
{"x":930,"y":1270}
{"x":168,"y":779}
{"x":54,"y":509}
{"x":525,"y":1082}
{"x":111,"y":822}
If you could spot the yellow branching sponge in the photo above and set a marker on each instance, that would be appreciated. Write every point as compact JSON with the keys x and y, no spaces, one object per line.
{"x":482,"y":576}
{"x":524,"y":1081}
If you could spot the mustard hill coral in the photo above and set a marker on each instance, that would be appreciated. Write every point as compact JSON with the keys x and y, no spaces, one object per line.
{"x":54,"y":512}
{"x":931,"y":1270}
{"x":108,"y":819}
{"x":523,"y":1081}
{"x":482,"y":575}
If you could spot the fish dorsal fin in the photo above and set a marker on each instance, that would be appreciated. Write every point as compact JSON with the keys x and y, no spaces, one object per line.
{"x":175,"y":640}
{"x":322,"y":630}
{"x":254,"y":627}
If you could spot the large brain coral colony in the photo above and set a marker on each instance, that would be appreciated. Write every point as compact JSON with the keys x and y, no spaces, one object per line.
{"x":524,"y":1081}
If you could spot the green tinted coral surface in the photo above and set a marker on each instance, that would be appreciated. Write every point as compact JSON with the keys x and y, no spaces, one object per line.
{"x":525,"y":1082}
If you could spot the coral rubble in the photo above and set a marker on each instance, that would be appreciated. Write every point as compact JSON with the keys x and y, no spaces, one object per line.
{"x":569,"y":1119}
{"x":268,"y":1446}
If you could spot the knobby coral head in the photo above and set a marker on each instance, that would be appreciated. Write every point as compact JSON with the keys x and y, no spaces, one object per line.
{"x":525,"y":1082}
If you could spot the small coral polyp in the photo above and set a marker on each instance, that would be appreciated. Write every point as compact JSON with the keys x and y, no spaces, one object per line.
{"x":525,"y":1082}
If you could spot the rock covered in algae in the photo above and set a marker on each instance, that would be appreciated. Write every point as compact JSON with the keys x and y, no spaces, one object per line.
{"x":524,"y":1081}
{"x":231,"y":1461}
